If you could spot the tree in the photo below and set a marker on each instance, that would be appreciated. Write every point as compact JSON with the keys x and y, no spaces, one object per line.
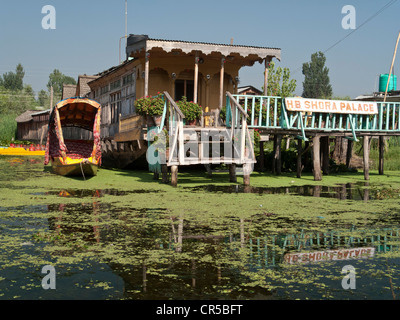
{"x":43,"y":98}
{"x":316,"y":81}
{"x":57,"y":79}
{"x":13,"y":80}
{"x":279,"y":82}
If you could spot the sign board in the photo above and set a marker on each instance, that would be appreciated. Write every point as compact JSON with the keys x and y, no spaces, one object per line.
{"x":329,"y":255}
{"x":331,"y":106}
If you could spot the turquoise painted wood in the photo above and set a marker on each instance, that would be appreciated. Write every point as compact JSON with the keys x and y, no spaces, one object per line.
{"x":267,"y":112}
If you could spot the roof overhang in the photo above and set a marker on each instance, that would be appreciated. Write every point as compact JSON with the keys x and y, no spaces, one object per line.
{"x":138,"y":46}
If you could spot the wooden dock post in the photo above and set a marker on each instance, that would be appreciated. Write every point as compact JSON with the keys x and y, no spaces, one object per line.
{"x":164,"y":170}
{"x":325,"y":155}
{"x":317,"y":159}
{"x":232,"y":173}
{"x":366,"y":157}
{"x":174,"y":176}
{"x":246,"y":174}
{"x":261,"y":160}
{"x":277,"y":161}
{"x":381,"y":153}
{"x":349,"y":153}
{"x":299,"y":152}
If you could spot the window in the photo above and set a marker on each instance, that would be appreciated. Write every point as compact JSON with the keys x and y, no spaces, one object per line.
{"x":115,"y":85}
{"x":104,"y":90}
{"x":184,"y":88}
{"x":115,"y":100}
{"x":127,"y":79}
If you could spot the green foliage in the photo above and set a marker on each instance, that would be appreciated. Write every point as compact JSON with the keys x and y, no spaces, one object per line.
{"x":8,"y":128}
{"x":16,"y":102}
{"x":57,"y":79}
{"x":191,"y":110}
{"x":43,"y":98}
{"x":279,"y":82}
{"x":151,"y":106}
{"x":13,"y":80}
{"x":391,"y":155}
{"x":316,"y":81}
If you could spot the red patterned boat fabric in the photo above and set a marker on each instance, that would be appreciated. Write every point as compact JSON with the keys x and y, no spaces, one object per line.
{"x":56,"y":146}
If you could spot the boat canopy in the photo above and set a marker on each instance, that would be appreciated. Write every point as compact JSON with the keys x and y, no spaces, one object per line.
{"x":77,"y":112}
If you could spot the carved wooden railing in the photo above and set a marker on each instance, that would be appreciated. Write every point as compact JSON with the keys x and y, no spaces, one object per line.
{"x":175,"y":125}
{"x":236,"y":120}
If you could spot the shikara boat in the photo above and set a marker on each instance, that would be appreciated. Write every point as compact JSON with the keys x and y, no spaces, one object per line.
{"x":80,"y":152}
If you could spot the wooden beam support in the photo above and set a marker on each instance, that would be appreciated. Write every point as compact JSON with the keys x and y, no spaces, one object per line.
{"x":299,"y":153}
{"x":325,"y":155}
{"x":196,"y":77}
{"x":221,"y":83}
{"x":267,"y":61}
{"x":262,"y":156}
{"x":146,"y":74}
{"x":381,"y":154}
{"x":366,"y":157}
{"x":164,"y":171}
{"x":232,"y":173}
{"x":316,"y":159}
{"x":246,"y":174}
{"x":174,"y":176}
{"x":349,"y":153}
{"x":277,"y":160}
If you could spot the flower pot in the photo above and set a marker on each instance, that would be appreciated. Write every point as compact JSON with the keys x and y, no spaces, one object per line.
{"x":189,"y":122}
{"x":150,"y":121}
{"x":157,"y":120}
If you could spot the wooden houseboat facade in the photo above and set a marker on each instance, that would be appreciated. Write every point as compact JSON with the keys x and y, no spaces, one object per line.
{"x":202,"y":72}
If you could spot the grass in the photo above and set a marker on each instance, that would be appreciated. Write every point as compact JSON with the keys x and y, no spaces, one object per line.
{"x":8,"y":127}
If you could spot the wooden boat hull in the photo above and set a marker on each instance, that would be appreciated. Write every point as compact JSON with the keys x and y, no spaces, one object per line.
{"x":82,"y":167}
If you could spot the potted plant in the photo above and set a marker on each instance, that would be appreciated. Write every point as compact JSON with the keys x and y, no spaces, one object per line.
{"x":152,"y":107}
{"x":192,"y":111}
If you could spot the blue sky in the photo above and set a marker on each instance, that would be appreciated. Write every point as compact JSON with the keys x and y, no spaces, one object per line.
{"x":86,"y":38}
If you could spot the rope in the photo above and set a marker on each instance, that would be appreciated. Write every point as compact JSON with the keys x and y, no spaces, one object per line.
{"x":83,"y":174}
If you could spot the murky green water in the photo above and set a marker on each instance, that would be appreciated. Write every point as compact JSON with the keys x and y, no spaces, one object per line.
{"x":122,"y":235}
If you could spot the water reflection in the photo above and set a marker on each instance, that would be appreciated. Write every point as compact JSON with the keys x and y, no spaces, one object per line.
{"x":163,"y":256}
{"x":349,"y":191}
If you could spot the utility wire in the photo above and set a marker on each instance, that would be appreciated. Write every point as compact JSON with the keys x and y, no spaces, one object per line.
{"x":389,"y":4}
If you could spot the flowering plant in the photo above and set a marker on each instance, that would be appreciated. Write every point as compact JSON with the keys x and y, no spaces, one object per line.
{"x":152,"y":106}
{"x":191,"y":110}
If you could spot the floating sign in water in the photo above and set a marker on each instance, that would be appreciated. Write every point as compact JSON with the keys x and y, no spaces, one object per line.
{"x":329,"y":255}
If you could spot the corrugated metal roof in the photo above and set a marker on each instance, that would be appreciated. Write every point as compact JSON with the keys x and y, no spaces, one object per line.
{"x":214,"y":44}
{"x":138,"y":43}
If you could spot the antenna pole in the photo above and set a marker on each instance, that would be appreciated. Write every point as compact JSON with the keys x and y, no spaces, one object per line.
{"x":126,"y":22}
{"x":391,"y":67}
